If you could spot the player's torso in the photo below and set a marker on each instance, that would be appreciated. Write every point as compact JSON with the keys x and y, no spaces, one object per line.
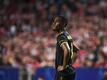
{"x":59,"y":50}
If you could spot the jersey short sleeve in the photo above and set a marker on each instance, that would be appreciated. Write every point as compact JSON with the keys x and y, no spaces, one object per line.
{"x":61,"y":39}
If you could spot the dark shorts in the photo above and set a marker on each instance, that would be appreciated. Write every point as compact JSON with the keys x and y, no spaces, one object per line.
{"x":67,"y":74}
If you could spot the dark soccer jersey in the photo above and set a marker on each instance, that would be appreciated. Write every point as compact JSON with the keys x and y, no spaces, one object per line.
{"x":63,"y":37}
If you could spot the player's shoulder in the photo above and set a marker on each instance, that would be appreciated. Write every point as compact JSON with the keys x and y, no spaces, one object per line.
{"x":62,"y":35}
{"x":61,"y":38}
{"x":68,"y":36}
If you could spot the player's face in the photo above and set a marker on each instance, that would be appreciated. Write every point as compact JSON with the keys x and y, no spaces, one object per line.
{"x":56,"y":24}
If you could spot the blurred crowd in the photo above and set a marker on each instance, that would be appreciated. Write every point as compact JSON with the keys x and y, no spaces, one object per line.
{"x":26,"y":38}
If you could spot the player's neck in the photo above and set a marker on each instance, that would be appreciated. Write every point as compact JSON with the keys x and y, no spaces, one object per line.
{"x":58,"y":33}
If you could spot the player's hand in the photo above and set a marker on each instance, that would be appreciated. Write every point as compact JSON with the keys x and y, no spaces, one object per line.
{"x":60,"y":68}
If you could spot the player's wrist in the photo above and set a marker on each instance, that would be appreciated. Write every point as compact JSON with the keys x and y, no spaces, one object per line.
{"x":60,"y":68}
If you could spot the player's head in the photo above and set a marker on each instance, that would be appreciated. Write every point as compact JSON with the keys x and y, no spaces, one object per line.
{"x":59,"y":23}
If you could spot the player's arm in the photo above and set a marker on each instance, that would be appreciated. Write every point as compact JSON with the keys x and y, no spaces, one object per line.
{"x":66,"y":50}
{"x":75,"y":53}
{"x":75,"y":48}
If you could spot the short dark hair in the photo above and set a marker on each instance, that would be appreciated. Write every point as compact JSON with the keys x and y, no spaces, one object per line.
{"x":63,"y":20}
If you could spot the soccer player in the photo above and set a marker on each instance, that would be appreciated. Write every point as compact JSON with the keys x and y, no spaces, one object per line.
{"x":65,"y":49}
